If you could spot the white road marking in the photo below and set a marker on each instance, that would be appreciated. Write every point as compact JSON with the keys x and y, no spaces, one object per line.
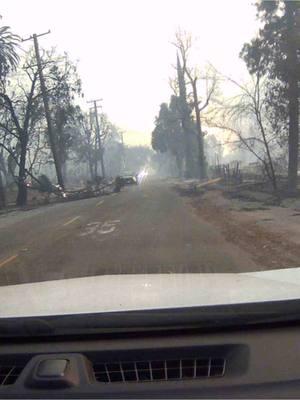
{"x":71,"y":220}
{"x":108,"y":227}
{"x":99,"y":203}
{"x":100,"y":228}
{"x":90,"y":228}
{"x":114,"y":194}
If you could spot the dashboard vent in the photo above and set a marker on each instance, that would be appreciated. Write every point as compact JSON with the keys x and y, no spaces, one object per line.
{"x":160,"y":370}
{"x":9,"y":374}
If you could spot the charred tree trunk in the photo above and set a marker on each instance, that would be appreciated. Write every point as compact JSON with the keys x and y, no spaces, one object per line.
{"x":269,"y":165}
{"x":293,"y":93}
{"x":293,"y":140}
{"x":91,"y":169}
{"x":185,"y":117}
{"x":95,"y":166}
{"x":188,"y":172}
{"x":2,"y":193}
{"x":179,"y":164}
{"x":22,"y":189}
{"x":101,"y":151}
{"x":201,"y":155}
{"x":3,"y":174}
{"x":3,"y":166}
{"x":64,"y":170}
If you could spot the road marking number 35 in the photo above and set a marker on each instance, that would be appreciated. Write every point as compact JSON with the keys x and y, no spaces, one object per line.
{"x":100,"y":228}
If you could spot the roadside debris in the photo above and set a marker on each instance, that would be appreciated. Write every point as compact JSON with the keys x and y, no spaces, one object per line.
{"x":91,"y":190}
{"x":194,"y":186}
{"x":249,"y":217}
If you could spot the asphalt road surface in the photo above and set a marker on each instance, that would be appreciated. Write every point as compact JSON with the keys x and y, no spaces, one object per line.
{"x":147,"y":228}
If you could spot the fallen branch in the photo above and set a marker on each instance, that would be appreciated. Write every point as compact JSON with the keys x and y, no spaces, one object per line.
{"x":210,"y":182}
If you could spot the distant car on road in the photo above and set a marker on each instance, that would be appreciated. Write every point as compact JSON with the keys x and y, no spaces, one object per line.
{"x":128,"y":180}
{"x":124,"y":180}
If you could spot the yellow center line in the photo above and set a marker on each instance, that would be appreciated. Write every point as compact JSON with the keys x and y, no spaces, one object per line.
{"x":9,"y":259}
{"x":71,"y":220}
{"x":99,"y":203}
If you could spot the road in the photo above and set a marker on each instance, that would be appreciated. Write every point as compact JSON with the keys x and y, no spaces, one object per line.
{"x":147,"y":228}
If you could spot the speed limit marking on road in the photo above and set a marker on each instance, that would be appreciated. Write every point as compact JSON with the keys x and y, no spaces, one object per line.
{"x":100,"y":228}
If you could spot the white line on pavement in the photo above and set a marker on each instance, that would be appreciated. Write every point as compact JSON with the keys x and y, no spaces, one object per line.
{"x":99,"y":203}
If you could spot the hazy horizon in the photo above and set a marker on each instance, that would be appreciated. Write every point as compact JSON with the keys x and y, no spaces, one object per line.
{"x":124,"y":49}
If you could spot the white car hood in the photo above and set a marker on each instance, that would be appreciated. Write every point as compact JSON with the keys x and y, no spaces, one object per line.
{"x":143,"y":292}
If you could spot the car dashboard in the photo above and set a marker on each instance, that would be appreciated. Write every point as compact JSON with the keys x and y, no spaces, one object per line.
{"x":260,"y":361}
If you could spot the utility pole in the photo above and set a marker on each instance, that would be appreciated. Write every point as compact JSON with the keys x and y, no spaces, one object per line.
{"x":123,"y":151}
{"x":46,"y":106}
{"x":98,"y":136}
{"x":95,"y":164}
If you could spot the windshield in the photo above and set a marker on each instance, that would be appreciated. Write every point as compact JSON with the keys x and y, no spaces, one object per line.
{"x":148,"y":154}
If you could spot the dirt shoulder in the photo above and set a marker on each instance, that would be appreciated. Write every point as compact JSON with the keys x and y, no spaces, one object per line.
{"x":270,"y":234}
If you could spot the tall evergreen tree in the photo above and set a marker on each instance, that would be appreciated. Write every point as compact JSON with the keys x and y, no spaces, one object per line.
{"x":168,"y":136}
{"x":274,"y":55}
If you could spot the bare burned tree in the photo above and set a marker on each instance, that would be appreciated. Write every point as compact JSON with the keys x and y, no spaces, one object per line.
{"x":183,"y":42}
{"x":19,"y":106}
{"x":21,"y":119}
{"x":249,"y":107}
{"x":173,"y":84}
{"x":85,"y":149}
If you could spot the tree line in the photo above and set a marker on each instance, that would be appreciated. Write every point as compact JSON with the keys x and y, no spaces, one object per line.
{"x":25,"y":148}
{"x":262,"y":117}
